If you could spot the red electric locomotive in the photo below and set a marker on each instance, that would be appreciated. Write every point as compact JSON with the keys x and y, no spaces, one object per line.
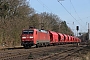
{"x":36,"y":37}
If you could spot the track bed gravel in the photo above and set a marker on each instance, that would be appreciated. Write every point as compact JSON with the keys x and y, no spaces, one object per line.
{"x":42,"y":52}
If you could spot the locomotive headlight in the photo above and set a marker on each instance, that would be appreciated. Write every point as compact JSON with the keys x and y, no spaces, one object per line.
{"x":23,"y":37}
{"x":31,"y":36}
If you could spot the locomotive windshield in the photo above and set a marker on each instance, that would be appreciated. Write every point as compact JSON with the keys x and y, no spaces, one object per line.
{"x":27,"y":32}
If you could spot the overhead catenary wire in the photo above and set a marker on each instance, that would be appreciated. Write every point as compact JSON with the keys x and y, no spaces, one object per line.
{"x":69,"y":12}
{"x":75,"y":11}
{"x":30,"y":1}
{"x":86,"y":17}
{"x":44,"y":5}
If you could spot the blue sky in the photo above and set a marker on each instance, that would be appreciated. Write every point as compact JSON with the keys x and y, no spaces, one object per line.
{"x":79,"y":9}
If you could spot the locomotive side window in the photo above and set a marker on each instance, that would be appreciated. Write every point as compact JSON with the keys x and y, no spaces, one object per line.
{"x":51,"y":37}
{"x":27,"y":32}
{"x":36,"y":32}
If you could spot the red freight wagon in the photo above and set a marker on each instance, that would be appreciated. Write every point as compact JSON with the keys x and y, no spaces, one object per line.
{"x":65,"y":38}
{"x":69,"y":39}
{"x":78,"y":40}
{"x":36,"y":37}
{"x":53,"y":37}
{"x":60,"y":37}
{"x":75,"y":40}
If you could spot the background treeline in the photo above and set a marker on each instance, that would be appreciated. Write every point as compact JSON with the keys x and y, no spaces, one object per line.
{"x":16,"y":15}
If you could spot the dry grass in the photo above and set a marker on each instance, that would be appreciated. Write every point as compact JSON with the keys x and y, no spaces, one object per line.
{"x":87,"y":56}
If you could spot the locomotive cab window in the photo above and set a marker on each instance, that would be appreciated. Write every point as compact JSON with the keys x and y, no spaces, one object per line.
{"x":27,"y":32}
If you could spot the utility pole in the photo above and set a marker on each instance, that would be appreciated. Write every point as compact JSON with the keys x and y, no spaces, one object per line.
{"x":88,"y":41}
{"x":88,"y":32}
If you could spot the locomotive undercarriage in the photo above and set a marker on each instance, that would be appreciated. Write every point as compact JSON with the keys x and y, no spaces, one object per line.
{"x":42,"y":44}
{"x":27,"y":44}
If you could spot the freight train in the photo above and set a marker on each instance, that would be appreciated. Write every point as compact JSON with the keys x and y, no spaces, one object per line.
{"x":35,"y":37}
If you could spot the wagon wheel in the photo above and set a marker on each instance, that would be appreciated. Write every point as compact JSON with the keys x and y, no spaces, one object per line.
{"x":37,"y":45}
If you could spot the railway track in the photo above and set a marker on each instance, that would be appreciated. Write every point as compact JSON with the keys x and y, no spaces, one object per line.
{"x":44,"y":52}
{"x":19,"y":53}
{"x":12,"y":54}
{"x":62,"y":55}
